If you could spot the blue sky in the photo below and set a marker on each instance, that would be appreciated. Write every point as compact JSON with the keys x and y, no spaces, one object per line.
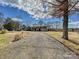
{"x":13,"y":12}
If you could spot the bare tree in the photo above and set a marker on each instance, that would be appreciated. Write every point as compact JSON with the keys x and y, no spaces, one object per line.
{"x":59,"y":8}
{"x":1,"y":21}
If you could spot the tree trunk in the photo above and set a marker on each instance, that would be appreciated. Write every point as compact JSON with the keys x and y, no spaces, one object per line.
{"x":65,"y":21}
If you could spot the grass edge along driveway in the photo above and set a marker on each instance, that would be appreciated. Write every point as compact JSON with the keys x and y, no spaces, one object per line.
{"x":68,"y":43}
{"x":6,"y":38}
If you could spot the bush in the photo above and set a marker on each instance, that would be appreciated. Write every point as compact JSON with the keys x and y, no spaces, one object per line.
{"x":3,"y":31}
{"x":18,"y":37}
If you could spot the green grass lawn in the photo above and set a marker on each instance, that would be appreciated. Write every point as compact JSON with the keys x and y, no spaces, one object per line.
{"x":4,"y":40}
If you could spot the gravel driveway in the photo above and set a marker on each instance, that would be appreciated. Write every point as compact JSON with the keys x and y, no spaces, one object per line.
{"x":37,"y":45}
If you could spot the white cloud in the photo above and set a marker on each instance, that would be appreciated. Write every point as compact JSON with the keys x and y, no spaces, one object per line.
{"x":33,"y":7}
{"x":17,"y":19}
{"x":74,"y":24}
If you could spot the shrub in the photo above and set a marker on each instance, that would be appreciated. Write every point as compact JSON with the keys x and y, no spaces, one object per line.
{"x":17,"y":37}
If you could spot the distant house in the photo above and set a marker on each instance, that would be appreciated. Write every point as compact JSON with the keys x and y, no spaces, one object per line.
{"x":39,"y":28}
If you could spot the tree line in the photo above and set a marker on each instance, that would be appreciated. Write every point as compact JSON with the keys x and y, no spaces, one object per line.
{"x":10,"y":24}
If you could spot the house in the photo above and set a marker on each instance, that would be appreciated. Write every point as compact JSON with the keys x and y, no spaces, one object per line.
{"x":39,"y":28}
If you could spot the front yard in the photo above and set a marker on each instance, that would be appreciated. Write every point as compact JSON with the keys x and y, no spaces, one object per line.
{"x":6,"y":38}
{"x":72,"y":43}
